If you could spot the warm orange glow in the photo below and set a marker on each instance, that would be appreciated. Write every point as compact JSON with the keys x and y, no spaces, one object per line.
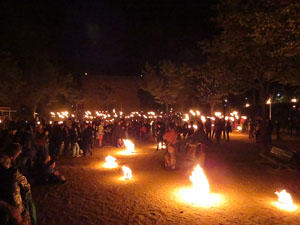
{"x":285,"y":201}
{"x":294,"y":100}
{"x":162,"y":145}
{"x":199,"y":194}
{"x":192,"y":112}
{"x":127,"y":173}
{"x":200,"y":182}
{"x":110,"y":162}
{"x":218,"y":114}
{"x":129,"y":147}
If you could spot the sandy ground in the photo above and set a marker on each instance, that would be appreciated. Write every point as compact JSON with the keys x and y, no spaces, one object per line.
{"x":95,"y":195}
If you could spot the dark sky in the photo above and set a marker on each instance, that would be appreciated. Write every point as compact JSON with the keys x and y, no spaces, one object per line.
{"x":106,"y":37}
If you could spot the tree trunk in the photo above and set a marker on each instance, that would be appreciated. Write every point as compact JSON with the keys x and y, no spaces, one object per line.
{"x":212,"y":105}
{"x":167,"y":108}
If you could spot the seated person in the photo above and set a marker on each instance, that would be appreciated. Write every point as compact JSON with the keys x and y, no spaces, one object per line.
{"x":14,"y":191}
{"x":48,"y":173}
{"x":55,"y":176}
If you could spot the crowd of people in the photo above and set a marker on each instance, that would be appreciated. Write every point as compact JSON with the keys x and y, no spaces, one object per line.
{"x":29,"y":150}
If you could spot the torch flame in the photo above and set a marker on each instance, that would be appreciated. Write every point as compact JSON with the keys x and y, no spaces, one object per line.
{"x":110,"y":162}
{"x":127,"y":173}
{"x":285,"y":201}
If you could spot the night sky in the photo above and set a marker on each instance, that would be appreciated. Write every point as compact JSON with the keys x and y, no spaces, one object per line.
{"x":106,"y":37}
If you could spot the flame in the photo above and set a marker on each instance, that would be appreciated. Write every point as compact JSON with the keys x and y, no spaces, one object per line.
{"x":200,"y":182}
{"x":127,"y":173}
{"x":199,"y":194}
{"x":110,"y":162}
{"x":129,"y":146}
{"x":285,"y":201}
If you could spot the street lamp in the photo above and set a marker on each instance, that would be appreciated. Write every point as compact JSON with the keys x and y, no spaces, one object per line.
{"x":269,"y":102}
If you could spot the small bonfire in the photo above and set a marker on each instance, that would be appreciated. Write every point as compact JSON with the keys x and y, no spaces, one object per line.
{"x":110,"y":162}
{"x":285,"y":201}
{"x":127,"y":173}
{"x":199,"y":194}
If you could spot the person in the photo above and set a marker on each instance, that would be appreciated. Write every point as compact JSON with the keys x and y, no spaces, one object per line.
{"x":223,"y":127}
{"x":66,"y":140}
{"x":143,"y":131}
{"x":228,"y":129}
{"x":196,"y":141}
{"x":100,"y":133}
{"x":153,"y":129}
{"x":74,"y":137}
{"x":87,"y":135}
{"x":160,"y":131}
{"x":9,"y":215}
{"x":251,"y":128}
{"x":51,"y":175}
{"x":218,"y":129}
{"x":118,"y":134}
{"x":170,"y":137}
{"x":107,"y":133}
{"x":56,"y":139}
{"x":15,"y":189}
{"x":208,"y":128}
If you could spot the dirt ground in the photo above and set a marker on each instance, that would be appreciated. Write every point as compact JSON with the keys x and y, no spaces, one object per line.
{"x":94,"y":195}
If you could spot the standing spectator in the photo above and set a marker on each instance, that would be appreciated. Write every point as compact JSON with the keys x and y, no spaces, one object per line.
{"x":118,"y":134}
{"x":107,"y":133}
{"x":56,"y":140}
{"x":87,"y":136}
{"x":74,"y":137}
{"x":66,"y":140}
{"x":208,"y":128}
{"x":100,"y":133}
{"x":160,"y":131}
{"x":223,"y":127}
{"x":228,"y":129}
{"x":251,"y":128}
{"x":218,"y":129}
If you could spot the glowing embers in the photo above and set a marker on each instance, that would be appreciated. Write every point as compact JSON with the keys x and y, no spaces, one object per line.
{"x":127,"y":173}
{"x":199,"y":193}
{"x":285,"y":201}
{"x":129,"y":148}
{"x":110,"y":162}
